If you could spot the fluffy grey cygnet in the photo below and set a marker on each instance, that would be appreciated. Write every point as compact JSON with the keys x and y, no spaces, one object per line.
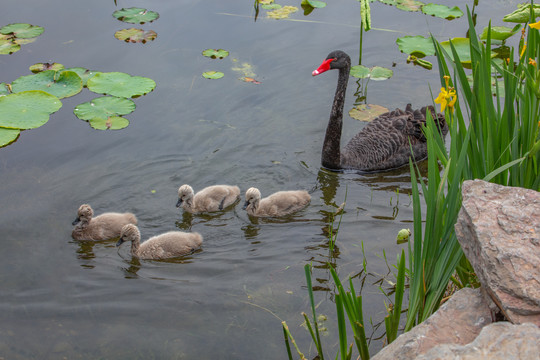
{"x":280,"y":203}
{"x":209,"y":199}
{"x":103,"y":227}
{"x":165,"y":246}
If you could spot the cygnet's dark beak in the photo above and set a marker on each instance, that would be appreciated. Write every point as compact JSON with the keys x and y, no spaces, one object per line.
{"x":179,"y":203}
{"x":245,"y":205}
{"x":120,"y":242}
{"x":76,"y":221}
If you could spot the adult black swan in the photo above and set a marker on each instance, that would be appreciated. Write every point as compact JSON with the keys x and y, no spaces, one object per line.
{"x":384,"y":143}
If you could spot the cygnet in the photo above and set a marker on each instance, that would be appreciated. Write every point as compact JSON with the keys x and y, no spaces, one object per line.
{"x":278,"y":204}
{"x":103,"y":227}
{"x":209,"y":199}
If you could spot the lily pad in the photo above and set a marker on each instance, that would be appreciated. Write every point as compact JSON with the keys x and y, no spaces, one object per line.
{"x":111,"y":123}
{"x":8,"y":47}
{"x":418,"y":46}
{"x":282,"y":13}
{"x":522,"y":14}
{"x":409,"y":5}
{"x":120,"y":84}
{"x":27,"y":109}
{"x":442,"y":11}
{"x":135,"y":15}
{"x":104,"y":107}
{"x":83,"y":73}
{"x":500,"y":32}
{"x":379,"y":73}
{"x":367,"y":112}
{"x":60,"y":84}
{"x":4,"y":89}
{"x":46,"y":66}
{"x":22,"y":31}
{"x":360,"y":71}
{"x":7,"y":136}
{"x":315,"y":3}
{"x":213,"y":74}
{"x":135,"y":35}
{"x":215,"y":54}
{"x":271,"y":6}
{"x":462,"y":47}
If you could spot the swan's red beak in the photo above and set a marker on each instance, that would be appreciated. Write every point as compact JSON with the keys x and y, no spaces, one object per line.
{"x":325,"y":66}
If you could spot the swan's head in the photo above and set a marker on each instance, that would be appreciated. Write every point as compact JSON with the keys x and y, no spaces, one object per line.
{"x":335,"y":60}
{"x":185,"y":192}
{"x":84,"y":214}
{"x":129,"y":232}
{"x":253,"y":195}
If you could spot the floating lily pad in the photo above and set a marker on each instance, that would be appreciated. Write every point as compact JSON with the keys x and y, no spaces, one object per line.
{"x":7,"y":136}
{"x":271,"y":6}
{"x":120,"y":84}
{"x":83,"y":73}
{"x":310,"y":5}
{"x":409,"y":5}
{"x":22,"y":31}
{"x":500,"y":32}
{"x":420,"y":62}
{"x":135,"y":35}
{"x":60,"y":84}
{"x":27,"y":109}
{"x":360,"y":71}
{"x":102,"y":108}
{"x":375,"y":73}
{"x":213,"y":74}
{"x":462,"y":47}
{"x":4,"y":89}
{"x":45,"y":66}
{"x":135,"y":15}
{"x":522,"y":14}
{"x":282,"y":13}
{"x":215,"y":54}
{"x":367,"y":112}
{"x":442,"y":11}
{"x":8,"y":47}
{"x":416,"y":45}
{"x":111,"y":123}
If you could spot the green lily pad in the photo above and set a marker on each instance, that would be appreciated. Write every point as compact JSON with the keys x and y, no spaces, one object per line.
{"x":442,"y":11}
{"x":409,"y":5}
{"x":271,"y":6}
{"x":462,"y":46}
{"x":500,"y":32}
{"x":315,"y":3}
{"x":103,"y":108}
{"x":367,"y":112}
{"x":27,"y":109}
{"x":522,"y":14}
{"x":418,"y":46}
{"x":4,"y":89}
{"x":379,"y":73}
{"x":135,"y":15}
{"x":83,"y":73}
{"x":215,"y":54}
{"x":120,"y":84}
{"x":22,"y":31}
{"x":111,"y":123}
{"x":360,"y":71}
{"x":135,"y":35}
{"x":8,"y":47}
{"x":60,"y":84}
{"x":7,"y":136}
{"x":46,"y":66}
{"x":213,"y":74}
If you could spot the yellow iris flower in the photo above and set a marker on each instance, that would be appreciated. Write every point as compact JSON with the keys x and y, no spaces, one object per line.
{"x":532,"y":62}
{"x":536,"y":25}
{"x":447,"y":97}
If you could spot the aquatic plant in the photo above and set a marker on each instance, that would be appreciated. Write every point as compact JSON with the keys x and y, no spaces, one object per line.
{"x":12,"y":36}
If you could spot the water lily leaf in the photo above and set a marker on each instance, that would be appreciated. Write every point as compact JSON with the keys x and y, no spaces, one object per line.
{"x":271,"y":6}
{"x":60,"y":84}
{"x":522,"y":14}
{"x":135,"y":35}
{"x":8,"y":47}
{"x":367,"y":112}
{"x":213,"y":74}
{"x":27,"y":109}
{"x":462,"y":47}
{"x":215,"y":54}
{"x":265,"y":2}
{"x":409,"y":5}
{"x":442,"y":11}
{"x":7,"y":136}
{"x":360,"y":71}
{"x":135,"y":15}
{"x":45,"y":66}
{"x":4,"y":89}
{"x":282,"y":13}
{"x":500,"y":32}
{"x":420,"y":62}
{"x":120,"y":84}
{"x":111,"y":123}
{"x":315,"y":3}
{"x":83,"y":73}
{"x":416,"y":45}
{"x":379,"y":73}
{"x":103,"y":108}
{"x":22,"y":31}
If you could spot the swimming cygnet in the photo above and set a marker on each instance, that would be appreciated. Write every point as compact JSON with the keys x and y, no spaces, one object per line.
{"x":168,"y":245}
{"x":103,"y":227}
{"x":278,"y":204}
{"x":211,"y":198}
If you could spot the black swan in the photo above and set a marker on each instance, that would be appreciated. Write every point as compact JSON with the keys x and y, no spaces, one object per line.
{"x":384,"y":143}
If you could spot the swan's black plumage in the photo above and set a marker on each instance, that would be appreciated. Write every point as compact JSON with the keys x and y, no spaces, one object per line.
{"x":383,"y":144}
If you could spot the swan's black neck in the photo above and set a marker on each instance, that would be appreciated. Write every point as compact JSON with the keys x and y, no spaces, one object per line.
{"x":331,"y":152}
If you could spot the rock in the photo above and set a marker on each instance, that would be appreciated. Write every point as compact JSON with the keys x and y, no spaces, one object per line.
{"x":498,"y":228}
{"x":500,"y":340}
{"x":458,"y":321}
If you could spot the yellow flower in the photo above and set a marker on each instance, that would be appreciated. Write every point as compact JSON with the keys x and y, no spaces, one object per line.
{"x":523,"y":49}
{"x":447,"y":98}
{"x":532,"y":62}
{"x":536,"y":25}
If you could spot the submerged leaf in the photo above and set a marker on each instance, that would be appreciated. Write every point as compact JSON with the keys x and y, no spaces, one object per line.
{"x":120,"y":84}
{"x":135,"y":15}
{"x":282,"y":13}
{"x":135,"y":35}
{"x":7,"y":136}
{"x":367,"y":112}
{"x":104,"y":107}
{"x":215,"y":53}
{"x":442,"y":11}
{"x":27,"y":109}
{"x":213,"y":74}
{"x":416,"y":45}
{"x":60,"y":84}
{"x":22,"y":31}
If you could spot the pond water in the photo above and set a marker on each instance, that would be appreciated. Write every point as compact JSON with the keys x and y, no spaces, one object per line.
{"x":78,"y":300}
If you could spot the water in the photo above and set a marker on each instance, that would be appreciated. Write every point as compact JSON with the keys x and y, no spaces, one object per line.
{"x":79,"y":300}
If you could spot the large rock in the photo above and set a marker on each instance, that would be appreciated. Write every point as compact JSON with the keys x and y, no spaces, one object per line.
{"x":458,"y":321}
{"x":498,"y":341}
{"x":498,"y":228}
